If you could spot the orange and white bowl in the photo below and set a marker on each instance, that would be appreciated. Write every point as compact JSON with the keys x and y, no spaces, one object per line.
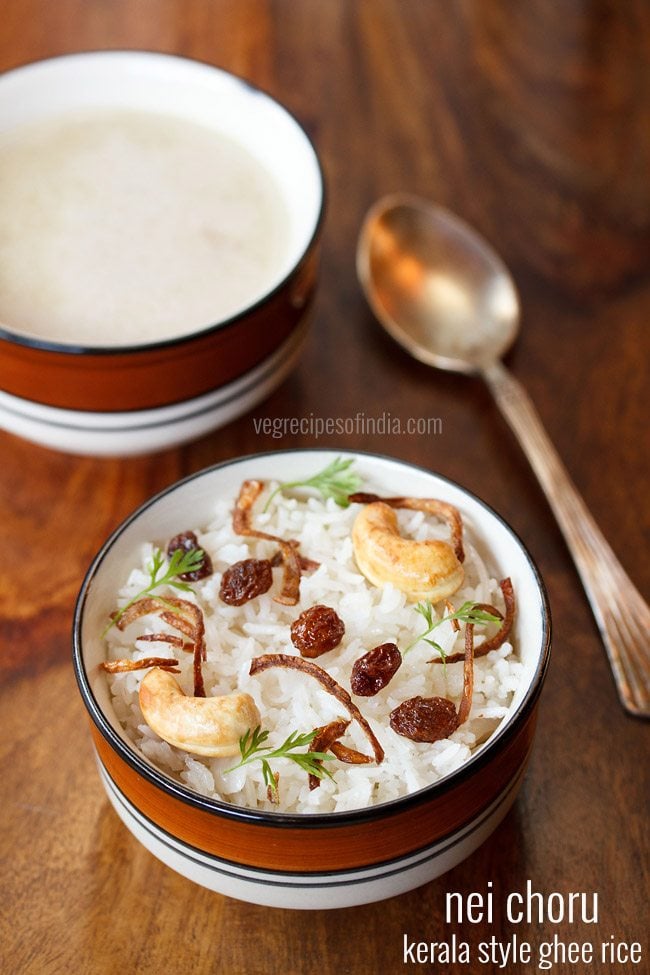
{"x":312,"y":860}
{"x":128,"y":385}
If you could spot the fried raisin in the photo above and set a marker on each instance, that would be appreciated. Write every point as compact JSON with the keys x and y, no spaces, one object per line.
{"x":372,"y":672}
{"x":317,"y":630}
{"x":424,"y":718}
{"x":188,"y":542}
{"x":244,"y":580}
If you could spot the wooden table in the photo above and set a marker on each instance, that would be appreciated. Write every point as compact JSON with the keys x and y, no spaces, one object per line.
{"x":531,"y":121}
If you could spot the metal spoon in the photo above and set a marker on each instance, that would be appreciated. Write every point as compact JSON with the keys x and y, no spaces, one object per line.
{"x":442,"y":292}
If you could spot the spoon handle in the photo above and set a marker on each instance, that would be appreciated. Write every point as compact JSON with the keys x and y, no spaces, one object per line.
{"x":622,"y":614}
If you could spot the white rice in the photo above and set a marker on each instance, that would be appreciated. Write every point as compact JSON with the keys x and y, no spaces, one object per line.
{"x":289,"y":701}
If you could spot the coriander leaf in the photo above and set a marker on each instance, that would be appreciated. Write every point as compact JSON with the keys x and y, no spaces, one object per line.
{"x":180,"y":562}
{"x":252,"y":741}
{"x":469,"y":612}
{"x":440,"y":651}
{"x":476,"y":615}
{"x":335,"y":481}
{"x":252,"y":748}
{"x":425,"y":610}
{"x":436,"y":646}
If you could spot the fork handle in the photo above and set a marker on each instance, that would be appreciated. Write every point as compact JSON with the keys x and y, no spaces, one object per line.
{"x":622,"y":615}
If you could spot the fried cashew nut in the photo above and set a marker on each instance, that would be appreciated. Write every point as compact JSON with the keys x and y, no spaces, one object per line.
{"x":201,"y":725}
{"x":429,"y":569}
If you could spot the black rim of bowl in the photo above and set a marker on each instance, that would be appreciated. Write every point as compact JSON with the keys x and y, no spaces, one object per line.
{"x":306,"y":820}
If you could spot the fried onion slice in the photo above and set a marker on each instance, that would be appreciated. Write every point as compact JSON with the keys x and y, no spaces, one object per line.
{"x":502,"y":634}
{"x":242,"y":525}
{"x":430,"y":506}
{"x":180,"y":614}
{"x":306,"y":565}
{"x":290,"y":662}
{"x":465,"y":705}
{"x":323,"y":740}
{"x":125,"y":665}
{"x":242,"y":514}
{"x":455,"y":624}
{"x":327,"y":738}
{"x":349,"y":755}
{"x":273,"y":791}
{"x":171,"y":638}
{"x":290,"y":592}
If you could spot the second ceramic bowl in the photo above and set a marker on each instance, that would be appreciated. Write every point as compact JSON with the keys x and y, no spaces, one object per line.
{"x":53,"y":388}
{"x":311,"y":861}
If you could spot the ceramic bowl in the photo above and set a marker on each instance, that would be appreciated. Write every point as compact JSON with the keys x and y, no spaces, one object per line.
{"x":310,"y":861}
{"x":98,"y":398}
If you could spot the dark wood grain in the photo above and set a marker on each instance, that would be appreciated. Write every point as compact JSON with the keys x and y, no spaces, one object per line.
{"x":532,"y":121}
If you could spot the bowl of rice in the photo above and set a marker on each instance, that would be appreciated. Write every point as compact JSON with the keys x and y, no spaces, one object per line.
{"x":282,"y":709}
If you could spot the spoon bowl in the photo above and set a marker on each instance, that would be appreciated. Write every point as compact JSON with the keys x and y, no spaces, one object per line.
{"x":438,"y":288}
{"x":444,"y":294}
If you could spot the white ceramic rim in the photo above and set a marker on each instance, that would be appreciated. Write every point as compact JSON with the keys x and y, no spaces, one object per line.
{"x":509,"y":557}
{"x":199,"y":92}
{"x":127,"y":433}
